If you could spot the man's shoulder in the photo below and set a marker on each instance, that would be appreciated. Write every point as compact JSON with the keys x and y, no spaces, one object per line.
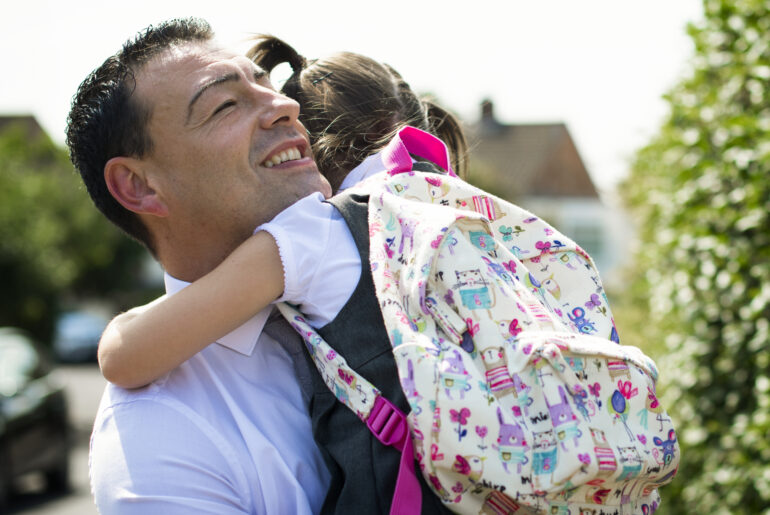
{"x":160,"y":416}
{"x":173,"y":401}
{"x":146,"y":411}
{"x":147,"y":398}
{"x":150,"y":444}
{"x":179,"y":391}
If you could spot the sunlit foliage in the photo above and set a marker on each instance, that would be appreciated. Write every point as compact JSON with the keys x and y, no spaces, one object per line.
{"x":701,"y":194}
{"x":54,"y":245}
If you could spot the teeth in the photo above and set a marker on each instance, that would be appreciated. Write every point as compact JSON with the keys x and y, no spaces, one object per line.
{"x":290,"y":154}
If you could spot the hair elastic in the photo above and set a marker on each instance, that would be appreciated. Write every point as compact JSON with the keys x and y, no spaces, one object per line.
{"x":322,"y":77}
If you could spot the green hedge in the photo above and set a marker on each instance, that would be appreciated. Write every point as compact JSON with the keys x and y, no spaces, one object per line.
{"x":701,"y":194}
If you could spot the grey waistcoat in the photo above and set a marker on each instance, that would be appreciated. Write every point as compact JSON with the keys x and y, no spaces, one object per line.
{"x":363,"y":470}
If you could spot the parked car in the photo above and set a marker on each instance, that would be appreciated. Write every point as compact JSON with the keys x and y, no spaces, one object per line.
{"x":34,"y":422}
{"x":76,"y":336}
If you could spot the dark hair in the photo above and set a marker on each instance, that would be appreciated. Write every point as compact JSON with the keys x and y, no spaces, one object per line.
{"x":106,"y":122}
{"x":352,"y":106}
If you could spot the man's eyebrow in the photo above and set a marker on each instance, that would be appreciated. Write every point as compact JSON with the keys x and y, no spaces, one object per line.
{"x":213,"y":82}
{"x":259,"y":73}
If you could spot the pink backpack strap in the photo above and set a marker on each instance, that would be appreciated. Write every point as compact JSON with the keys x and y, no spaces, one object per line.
{"x":383,"y":418}
{"x":389,"y":426}
{"x":411,"y":140}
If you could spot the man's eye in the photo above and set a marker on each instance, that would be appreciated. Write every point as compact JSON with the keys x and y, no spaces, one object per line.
{"x":224,"y":106}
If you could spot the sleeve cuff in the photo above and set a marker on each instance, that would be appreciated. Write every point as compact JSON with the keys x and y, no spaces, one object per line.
{"x":282,"y":240}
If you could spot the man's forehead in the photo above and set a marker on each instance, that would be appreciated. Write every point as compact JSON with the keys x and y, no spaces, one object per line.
{"x":180,"y":70}
{"x":188,"y":60}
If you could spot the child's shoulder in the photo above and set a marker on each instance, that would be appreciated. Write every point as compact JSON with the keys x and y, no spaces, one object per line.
{"x":309,"y":208}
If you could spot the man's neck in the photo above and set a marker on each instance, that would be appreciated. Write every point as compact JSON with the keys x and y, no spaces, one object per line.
{"x":188,"y":263}
{"x":188,"y":253}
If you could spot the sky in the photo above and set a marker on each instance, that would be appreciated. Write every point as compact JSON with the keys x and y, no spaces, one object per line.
{"x":600,"y":66}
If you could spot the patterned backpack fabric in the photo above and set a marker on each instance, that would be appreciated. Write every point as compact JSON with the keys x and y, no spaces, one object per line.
{"x":522,"y":401}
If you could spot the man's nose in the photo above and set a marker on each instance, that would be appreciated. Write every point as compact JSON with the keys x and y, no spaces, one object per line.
{"x":278,"y":109}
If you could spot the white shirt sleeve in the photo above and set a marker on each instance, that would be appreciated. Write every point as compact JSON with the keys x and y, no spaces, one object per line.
{"x":173,"y":465}
{"x":321,"y":263}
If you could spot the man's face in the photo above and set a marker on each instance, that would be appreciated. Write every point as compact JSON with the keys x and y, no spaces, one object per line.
{"x":228,"y":150}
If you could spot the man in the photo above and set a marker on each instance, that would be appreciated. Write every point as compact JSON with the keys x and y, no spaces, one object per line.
{"x":171,"y":136}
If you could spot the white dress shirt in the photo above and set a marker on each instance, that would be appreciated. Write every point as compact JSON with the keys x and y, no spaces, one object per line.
{"x":226,"y":432}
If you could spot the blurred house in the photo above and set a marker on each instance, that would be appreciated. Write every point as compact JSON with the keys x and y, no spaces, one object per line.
{"x":538,"y":167}
{"x":27,"y":123}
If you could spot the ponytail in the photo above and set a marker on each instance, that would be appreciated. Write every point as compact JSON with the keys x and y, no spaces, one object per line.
{"x":430,"y":117}
{"x":269,"y":51}
{"x":352,"y":106}
{"x":447,"y":128}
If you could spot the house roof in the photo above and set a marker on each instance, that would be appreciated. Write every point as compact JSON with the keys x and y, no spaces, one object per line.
{"x":527,"y":159}
{"x":28,"y":123}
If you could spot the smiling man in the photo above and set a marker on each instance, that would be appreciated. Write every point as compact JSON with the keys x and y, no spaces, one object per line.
{"x":187,"y":147}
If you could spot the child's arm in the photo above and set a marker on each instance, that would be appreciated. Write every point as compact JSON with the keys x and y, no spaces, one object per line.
{"x":143,"y":344}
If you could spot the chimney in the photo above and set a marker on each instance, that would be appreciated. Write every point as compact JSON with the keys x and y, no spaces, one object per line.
{"x":487,"y":110}
{"x":488,"y":123}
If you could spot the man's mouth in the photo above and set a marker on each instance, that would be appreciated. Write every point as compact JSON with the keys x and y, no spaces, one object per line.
{"x":289,"y":154}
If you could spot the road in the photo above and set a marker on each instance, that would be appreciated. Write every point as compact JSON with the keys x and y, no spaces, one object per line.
{"x":84,"y":385}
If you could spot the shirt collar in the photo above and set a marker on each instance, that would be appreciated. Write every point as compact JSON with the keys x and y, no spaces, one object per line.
{"x":244,"y":338}
{"x":368,"y":167}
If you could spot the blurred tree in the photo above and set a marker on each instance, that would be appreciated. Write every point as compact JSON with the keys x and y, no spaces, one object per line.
{"x":701,"y":193}
{"x":54,"y":245}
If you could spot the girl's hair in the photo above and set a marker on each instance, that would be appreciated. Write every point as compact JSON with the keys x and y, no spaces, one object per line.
{"x":352,"y":106}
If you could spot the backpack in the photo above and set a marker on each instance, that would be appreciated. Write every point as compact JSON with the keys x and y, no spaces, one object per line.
{"x":522,"y":399}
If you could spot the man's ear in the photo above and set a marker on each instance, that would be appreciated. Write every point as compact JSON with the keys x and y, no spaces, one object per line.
{"x":127,"y":182}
